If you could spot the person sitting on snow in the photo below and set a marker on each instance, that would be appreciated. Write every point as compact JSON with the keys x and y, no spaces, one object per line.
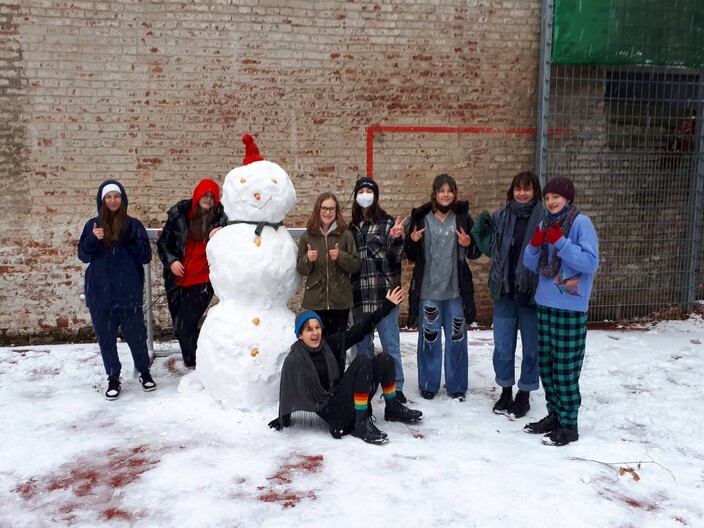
{"x":311,"y":379}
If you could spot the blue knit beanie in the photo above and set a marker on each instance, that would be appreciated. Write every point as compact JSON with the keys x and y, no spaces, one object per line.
{"x":301,"y":319}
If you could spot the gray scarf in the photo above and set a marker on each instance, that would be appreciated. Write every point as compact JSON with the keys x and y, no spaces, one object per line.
{"x":505,"y":222}
{"x":550,"y":267}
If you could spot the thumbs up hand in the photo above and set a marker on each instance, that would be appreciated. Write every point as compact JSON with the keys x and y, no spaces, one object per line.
{"x":98,"y":231}
{"x":312,"y":254}
{"x":334,"y":252}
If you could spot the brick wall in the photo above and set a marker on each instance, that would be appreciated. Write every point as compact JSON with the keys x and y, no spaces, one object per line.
{"x":158,"y":95}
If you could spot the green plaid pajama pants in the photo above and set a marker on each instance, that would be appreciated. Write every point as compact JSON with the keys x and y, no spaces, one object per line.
{"x":562,"y":336}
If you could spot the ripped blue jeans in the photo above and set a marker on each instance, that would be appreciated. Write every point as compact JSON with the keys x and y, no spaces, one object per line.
{"x":447,"y":316}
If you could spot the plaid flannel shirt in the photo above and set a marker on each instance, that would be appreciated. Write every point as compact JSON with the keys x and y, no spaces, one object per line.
{"x":380,"y":257}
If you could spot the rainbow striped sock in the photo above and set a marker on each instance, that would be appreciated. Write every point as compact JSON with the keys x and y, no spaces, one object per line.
{"x":361,"y":401}
{"x":390,"y":391}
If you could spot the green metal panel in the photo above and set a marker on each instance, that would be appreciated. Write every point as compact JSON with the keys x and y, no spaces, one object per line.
{"x":629,"y":32}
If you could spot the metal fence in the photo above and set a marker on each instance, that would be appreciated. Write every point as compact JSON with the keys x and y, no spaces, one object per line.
{"x":631,"y":140}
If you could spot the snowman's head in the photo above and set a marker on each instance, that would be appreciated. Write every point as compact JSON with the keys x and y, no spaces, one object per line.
{"x":259,"y":191}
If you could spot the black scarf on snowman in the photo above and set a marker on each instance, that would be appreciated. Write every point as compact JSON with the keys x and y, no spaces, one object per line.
{"x":260,"y":225}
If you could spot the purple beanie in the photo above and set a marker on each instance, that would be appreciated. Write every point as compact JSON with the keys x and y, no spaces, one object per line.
{"x":562,"y":186}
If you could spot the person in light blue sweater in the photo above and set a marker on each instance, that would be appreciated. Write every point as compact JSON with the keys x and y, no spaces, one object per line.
{"x":564,"y":251}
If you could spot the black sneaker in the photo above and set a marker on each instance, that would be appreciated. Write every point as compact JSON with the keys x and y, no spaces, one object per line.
{"x":562,"y":436}
{"x":114,"y":387}
{"x":147,"y":382}
{"x":397,"y":412}
{"x":401,"y":397}
{"x":545,"y":426}
{"x":460,"y":396}
{"x":505,"y":401}
{"x":367,"y":431}
{"x":427,"y":395}
{"x":519,"y":407}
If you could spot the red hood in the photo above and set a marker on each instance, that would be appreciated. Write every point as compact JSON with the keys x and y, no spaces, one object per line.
{"x":205,"y":186}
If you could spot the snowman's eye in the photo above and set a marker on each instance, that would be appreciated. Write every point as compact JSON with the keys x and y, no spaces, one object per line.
{"x":243,"y":180}
{"x":274,"y":180}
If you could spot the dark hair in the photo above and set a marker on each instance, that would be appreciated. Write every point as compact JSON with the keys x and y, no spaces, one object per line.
{"x":200,"y":225}
{"x":521,"y":180}
{"x":313,"y":225}
{"x":112,"y":223}
{"x":438,"y":182}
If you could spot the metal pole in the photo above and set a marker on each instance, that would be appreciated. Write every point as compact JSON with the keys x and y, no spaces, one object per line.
{"x":541,"y":153}
{"x":696,"y":198}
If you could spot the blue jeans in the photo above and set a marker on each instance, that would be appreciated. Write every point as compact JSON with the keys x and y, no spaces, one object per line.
{"x":131,"y":320}
{"x":508,"y":318}
{"x":447,"y":316}
{"x":389,"y":336}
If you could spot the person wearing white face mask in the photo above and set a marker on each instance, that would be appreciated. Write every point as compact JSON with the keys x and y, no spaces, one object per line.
{"x":380,"y":250}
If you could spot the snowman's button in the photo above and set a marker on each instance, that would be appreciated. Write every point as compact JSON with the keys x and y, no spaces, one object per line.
{"x":274,"y":180}
{"x":255,"y":321}
{"x":257,"y":196}
{"x":243,"y":180}
{"x":258,"y":241}
{"x":254,"y":352}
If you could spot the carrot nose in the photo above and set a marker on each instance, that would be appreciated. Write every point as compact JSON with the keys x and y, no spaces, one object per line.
{"x":257,"y":196}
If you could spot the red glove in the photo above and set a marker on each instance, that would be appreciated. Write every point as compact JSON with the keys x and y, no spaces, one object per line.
{"x":554,"y":234}
{"x":538,"y":237}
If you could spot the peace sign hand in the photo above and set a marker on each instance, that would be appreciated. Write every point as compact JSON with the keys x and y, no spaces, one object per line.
{"x":397,"y":229}
{"x":417,"y":235}
{"x":463,"y":239}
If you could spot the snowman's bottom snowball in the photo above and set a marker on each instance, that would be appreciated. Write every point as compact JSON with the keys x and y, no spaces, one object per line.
{"x":240,"y":353}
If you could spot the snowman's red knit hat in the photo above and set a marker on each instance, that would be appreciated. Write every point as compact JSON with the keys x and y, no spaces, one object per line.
{"x":251,"y":152}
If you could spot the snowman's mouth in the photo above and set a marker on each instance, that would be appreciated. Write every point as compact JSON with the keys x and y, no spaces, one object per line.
{"x":261,"y":205}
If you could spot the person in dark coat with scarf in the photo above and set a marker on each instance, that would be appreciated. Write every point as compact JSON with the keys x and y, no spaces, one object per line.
{"x":311,"y":380}
{"x":504,"y":236}
{"x":181,"y":248}
{"x":116,"y":247}
{"x":442,"y":292}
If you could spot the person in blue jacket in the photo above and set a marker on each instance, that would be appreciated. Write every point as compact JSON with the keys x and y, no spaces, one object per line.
{"x":564,"y":252}
{"x":116,"y":247}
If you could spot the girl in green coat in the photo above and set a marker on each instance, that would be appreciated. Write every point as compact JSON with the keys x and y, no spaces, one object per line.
{"x":327,"y":257}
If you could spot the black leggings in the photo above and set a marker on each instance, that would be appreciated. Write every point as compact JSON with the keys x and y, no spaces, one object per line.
{"x":362,"y":376}
{"x":187,"y":304}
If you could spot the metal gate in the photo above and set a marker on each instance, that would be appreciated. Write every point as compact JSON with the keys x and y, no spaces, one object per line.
{"x":630,"y":137}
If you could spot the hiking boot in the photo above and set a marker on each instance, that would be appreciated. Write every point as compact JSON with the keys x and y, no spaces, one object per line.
{"x":147,"y":382}
{"x":427,"y":395}
{"x":521,"y":405}
{"x":397,"y":412}
{"x":460,"y":396}
{"x":401,"y":397}
{"x":545,"y":426}
{"x":505,"y":401}
{"x":365,"y":429}
{"x":114,"y":387}
{"x":562,"y":435}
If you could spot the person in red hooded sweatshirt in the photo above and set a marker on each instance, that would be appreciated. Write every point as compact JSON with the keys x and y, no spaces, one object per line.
{"x":181,"y":248}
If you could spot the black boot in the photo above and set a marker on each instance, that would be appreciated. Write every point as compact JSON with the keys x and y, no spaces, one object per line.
{"x":545,"y":426}
{"x":521,"y":405}
{"x":562,"y":435}
{"x":365,"y":429}
{"x":505,"y":400}
{"x":397,"y":412}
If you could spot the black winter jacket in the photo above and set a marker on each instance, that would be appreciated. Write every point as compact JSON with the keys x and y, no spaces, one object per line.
{"x":415,"y":253}
{"x":171,"y":244}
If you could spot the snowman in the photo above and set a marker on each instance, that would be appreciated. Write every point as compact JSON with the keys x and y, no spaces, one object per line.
{"x":246,"y":336}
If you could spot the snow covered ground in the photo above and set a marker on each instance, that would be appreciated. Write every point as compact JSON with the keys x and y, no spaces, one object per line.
{"x":174,"y":458}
